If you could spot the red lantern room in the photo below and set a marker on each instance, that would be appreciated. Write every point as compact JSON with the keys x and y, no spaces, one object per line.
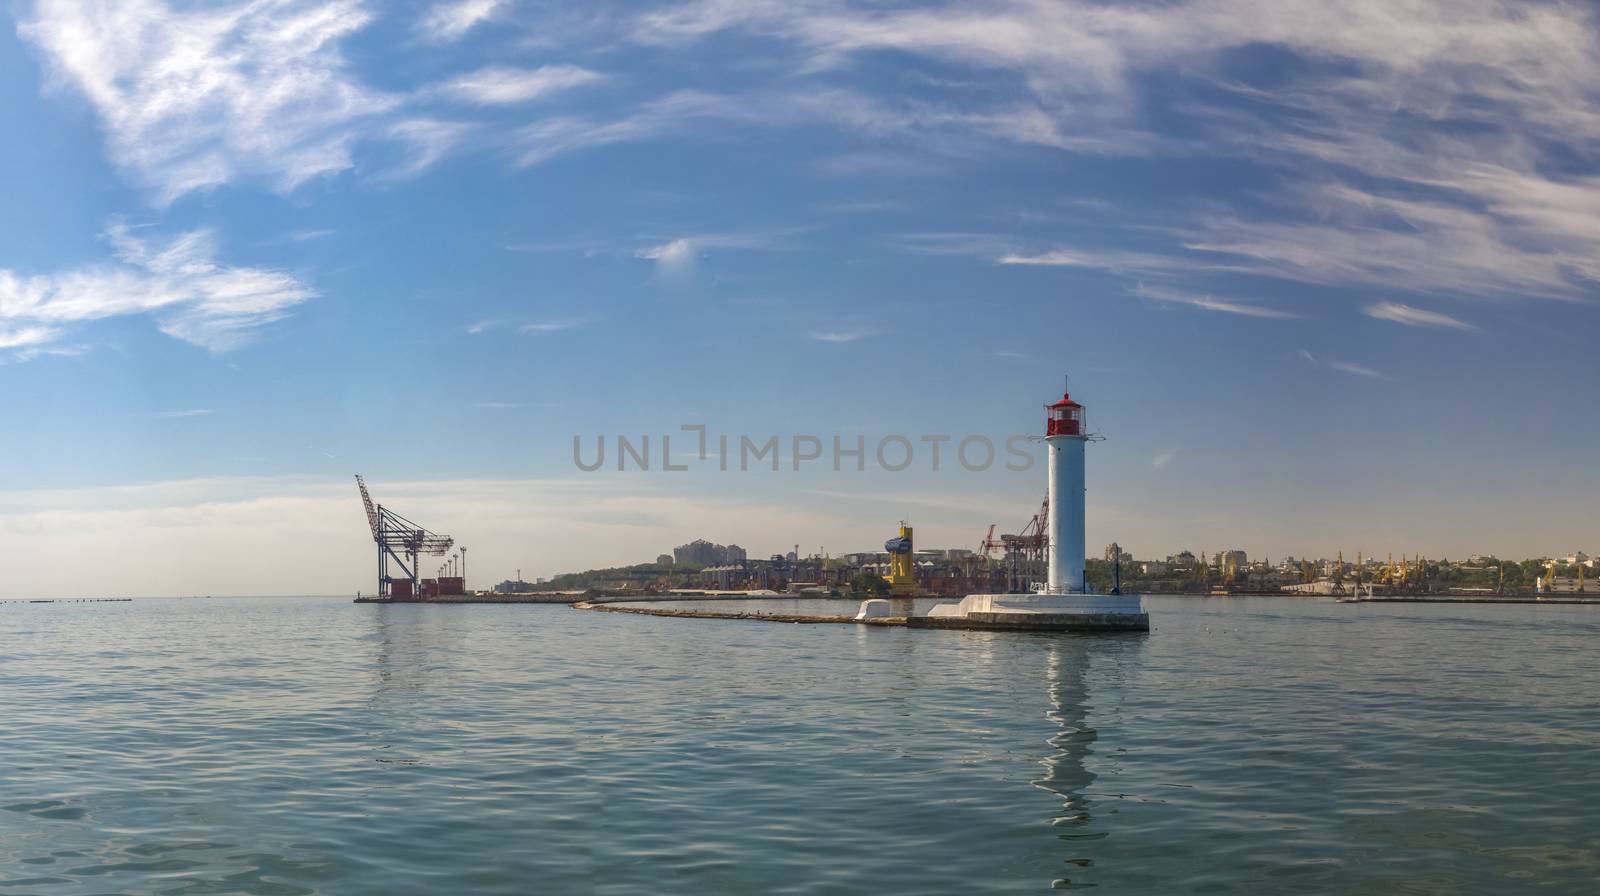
{"x":1064,"y":418}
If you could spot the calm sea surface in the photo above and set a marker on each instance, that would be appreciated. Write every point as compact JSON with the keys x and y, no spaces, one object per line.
{"x":299,"y":745}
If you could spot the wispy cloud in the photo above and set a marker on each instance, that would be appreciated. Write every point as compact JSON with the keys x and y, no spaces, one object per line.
{"x":1119,"y":261}
{"x":1209,"y":303}
{"x":428,"y":139}
{"x":1415,"y":317}
{"x":551,"y":326}
{"x":192,"y":296}
{"x":533,"y":327}
{"x":450,"y":21}
{"x":839,"y":335}
{"x":1344,"y":367}
{"x":1423,"y":146}
{"x":677,"y":256}
{"x":193,"y":97}
{"x":499,"y":405}
{"x":302,"y":236}
{"x":19,"y":337}
{"x":1160,"y":461}
{"x":673,"y":252}
{"x":192,"y":412}
{"x":500,"y":85}
{"x":1357,"y":370}
{"x":672,"y":113}
{"x":31,"y":351}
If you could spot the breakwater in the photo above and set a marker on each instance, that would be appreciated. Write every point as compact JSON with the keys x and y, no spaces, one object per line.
{"x":747,"y":615}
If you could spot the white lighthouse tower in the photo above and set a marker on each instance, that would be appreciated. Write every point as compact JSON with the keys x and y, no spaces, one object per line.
{"x":1066,"y":434}
{"x":1066,"y":603}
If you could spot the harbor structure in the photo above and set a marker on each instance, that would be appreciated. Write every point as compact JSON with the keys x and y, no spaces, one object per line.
{"x":401,"y":543}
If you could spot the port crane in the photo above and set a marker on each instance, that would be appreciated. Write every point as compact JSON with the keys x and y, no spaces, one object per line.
{"x":1028,"y":552}
{"x":401,"y":542}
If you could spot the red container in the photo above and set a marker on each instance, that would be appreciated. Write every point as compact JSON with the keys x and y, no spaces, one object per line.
{"x":430,"y":588}
{"x":452,"y":585}
{"x":400,"y":589}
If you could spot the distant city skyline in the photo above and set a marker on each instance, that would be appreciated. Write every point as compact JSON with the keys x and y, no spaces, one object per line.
{"x":1323,"y":274}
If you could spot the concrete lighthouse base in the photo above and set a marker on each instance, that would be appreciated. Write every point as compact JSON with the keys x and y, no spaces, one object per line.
{"x":1040,"y":612}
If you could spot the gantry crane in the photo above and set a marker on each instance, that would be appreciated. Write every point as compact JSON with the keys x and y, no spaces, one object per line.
{"x":987,"y":546}
{"x":401,"y":541}
{"x":1027,"y":552}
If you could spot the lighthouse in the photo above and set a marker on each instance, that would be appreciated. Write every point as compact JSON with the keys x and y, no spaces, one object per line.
{"x":1065,"y":604}
{"x":1066,"y":434}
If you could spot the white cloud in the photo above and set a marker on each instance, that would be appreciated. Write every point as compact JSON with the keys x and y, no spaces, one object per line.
{"x":550,"y":326}
{"x":1344,"y":367}
{"x":428,"y":139}
{"x":31,"y":352}
{"x":1456,"y":119}
{"x":677,"y":255}
{"x":839,"y":335}
{"x":192,"y":296}
{"x":1209,"y":303}
{"x":1160,"y":461}
{"x":1415,"y":317}
{"x":1357,"y":370}
{"x":1423,"y":146}
{"x":499,"y":85}
{"x":178,"y":415}
{"x":19,"y":337}
{"x":1120,"y":261}
{"x":1420,"y":245}
{"x":675,"y":252}
{"x":544,"y":326}
{"x":668,"y":114}
{"x":450,"y":21}
{"x":194,"y":97}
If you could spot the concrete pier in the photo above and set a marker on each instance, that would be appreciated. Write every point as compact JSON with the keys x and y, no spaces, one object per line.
{"x":1036,"y":622}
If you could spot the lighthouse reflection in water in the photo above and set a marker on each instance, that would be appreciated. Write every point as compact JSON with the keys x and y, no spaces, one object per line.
{"x":1064,"y":770}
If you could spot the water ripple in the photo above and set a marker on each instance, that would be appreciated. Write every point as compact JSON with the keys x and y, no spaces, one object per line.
{"x":302,"y":746}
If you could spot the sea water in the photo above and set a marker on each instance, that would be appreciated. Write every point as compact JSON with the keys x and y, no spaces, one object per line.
{"x":1251,"y":745}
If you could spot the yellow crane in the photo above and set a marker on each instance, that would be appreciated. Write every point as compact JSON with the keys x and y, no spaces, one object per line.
{"x":902,"y":563}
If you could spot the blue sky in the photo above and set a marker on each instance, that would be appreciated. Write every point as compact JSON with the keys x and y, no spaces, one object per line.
{"x":1323,"y":272}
